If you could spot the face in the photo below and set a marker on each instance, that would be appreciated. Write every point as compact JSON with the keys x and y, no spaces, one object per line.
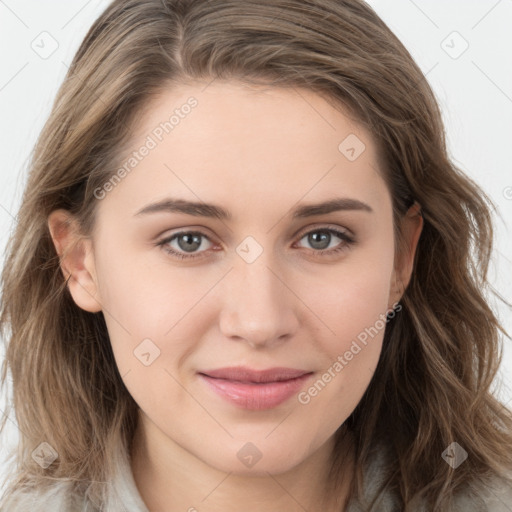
{"x":263,"y":281}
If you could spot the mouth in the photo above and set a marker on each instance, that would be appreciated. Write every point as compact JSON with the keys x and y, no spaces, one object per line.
{"x":248,"y":375}
{"x":255,"y":389}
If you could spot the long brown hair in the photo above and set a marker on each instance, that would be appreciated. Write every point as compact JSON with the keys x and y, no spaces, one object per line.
{"x":440,"y":354}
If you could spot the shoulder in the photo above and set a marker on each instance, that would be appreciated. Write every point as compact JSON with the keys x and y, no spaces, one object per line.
{"x":492,"y":495}
{"x":374,"y":475}
{"x":121,"y":495}
{"x":58,"y":497}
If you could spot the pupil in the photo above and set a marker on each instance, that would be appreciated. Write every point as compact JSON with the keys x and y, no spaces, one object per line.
{"x":317,"y":239}
{"x":192,"y":242}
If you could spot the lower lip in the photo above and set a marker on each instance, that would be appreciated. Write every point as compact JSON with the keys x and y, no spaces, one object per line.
{"x":256,"y":396}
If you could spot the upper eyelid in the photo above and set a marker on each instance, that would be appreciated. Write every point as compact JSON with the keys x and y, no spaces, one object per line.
{"x":326,"y":227}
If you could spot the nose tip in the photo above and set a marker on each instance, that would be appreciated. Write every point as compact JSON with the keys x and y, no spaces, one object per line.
{"x":257,"y":329}
{"x":257,"y":308}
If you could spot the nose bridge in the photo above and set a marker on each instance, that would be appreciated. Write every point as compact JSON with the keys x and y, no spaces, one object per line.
{"x":257,"y":307}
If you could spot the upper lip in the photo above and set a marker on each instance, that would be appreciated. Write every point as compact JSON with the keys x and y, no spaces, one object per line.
{"x":244,"y":374}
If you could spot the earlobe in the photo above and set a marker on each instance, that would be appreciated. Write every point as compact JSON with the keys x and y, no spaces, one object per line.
{"x":76,"y":259}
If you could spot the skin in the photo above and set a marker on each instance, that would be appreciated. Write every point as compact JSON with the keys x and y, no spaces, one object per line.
{"x":259,"y":153}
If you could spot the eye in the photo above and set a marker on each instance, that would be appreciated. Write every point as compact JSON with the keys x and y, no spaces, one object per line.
{"x":320,"y":240}
{"x":187,"y":241}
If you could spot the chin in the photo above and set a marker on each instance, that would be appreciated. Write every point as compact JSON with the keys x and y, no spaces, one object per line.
{"x":257,"y":460}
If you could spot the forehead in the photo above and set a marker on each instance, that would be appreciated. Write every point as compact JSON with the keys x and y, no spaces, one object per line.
{"x":247,"y":146}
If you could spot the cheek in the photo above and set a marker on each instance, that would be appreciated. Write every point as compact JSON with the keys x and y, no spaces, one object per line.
{"x":352,"y":307}
{"x":147,"y":299}
{"x":157,"y":316}
{"x":352,"y":297}
{"x":152,"y":327}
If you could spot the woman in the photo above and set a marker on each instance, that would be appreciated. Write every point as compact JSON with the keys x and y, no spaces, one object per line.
{"x":246,"y":275}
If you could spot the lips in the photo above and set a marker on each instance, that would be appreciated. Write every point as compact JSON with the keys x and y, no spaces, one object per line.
{"x":244,"y":374}
{"x":255,"y":389}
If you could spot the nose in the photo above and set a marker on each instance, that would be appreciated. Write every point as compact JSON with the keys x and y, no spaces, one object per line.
{"x":258,"y":305}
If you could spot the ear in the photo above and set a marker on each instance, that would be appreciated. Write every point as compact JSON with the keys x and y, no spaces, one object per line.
{"x":76,"y":259}
{"x":410,"y":229}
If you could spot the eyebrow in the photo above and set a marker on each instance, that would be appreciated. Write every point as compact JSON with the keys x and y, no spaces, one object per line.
{"x":200,"y":209}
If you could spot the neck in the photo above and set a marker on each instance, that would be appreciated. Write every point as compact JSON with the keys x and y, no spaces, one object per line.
{"x":169,"y":477}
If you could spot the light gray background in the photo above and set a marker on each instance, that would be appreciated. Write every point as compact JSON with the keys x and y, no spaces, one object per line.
{"x":473,"y":86}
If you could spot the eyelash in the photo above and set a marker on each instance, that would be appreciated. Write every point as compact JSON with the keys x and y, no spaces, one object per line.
{"x":347,"y":241}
